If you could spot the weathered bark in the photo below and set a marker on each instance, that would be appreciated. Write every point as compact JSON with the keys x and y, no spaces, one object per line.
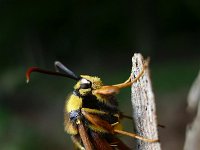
{"x":192,"y":141}
{"x":144,"y":110}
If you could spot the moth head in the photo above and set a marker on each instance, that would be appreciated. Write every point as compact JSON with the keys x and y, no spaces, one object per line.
{"x":87,"y":83}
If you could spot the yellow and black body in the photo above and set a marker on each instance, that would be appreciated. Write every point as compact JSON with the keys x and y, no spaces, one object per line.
{"x":85,"y":100}
{"x":91,"y":114}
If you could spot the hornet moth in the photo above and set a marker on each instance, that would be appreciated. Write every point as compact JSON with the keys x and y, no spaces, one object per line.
{"x":91,"y":114}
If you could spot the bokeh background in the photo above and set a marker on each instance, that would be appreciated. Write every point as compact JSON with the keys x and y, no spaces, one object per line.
{"x":95,"y":38}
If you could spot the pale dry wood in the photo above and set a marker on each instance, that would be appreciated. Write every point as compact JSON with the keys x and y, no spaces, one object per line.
{"x":144,"y":109}
{"x":194,"y":95}
{"x":192,"y":141}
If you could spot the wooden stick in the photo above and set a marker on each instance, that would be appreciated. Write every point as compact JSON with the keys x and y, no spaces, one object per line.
{"x":193,"y":129}
{"x":144,"y":110}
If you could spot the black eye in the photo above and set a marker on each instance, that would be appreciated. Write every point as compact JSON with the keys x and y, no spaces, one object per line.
{"x":85,"y":85}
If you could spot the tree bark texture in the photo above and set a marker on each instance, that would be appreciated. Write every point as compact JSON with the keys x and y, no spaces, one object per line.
{"x":144,"y":109}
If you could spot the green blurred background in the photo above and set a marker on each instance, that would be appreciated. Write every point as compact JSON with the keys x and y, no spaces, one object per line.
{"x":95,"y":38}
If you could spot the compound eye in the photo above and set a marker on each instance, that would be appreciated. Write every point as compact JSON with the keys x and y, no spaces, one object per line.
{"x":85,"y":84}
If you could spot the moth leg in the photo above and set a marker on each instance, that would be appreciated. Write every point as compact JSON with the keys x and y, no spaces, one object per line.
{"x":99,"y":142}
{"x":99,"y":112}
{"x":128,"y":82}
{"x":77,"y":143}
{"x":114,"y":89}
{"x":135,"y":136}
{"x":121,"y":116}
{"x":93,"y":111}
{"x":98,"y":122}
